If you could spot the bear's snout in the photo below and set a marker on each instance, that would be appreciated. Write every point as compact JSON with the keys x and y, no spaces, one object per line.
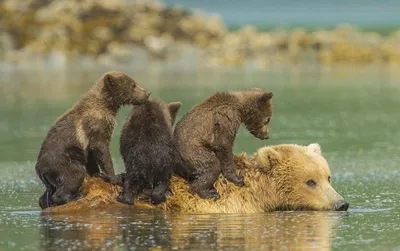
{"x":261,"y":136}
{"x":341,"y":205}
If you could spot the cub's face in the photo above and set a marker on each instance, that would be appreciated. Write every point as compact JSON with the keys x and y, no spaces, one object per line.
{"x":139,"y":95}
{"x":301,"y":178}
{"x":125,"y":88}
{"x":260,"y":117}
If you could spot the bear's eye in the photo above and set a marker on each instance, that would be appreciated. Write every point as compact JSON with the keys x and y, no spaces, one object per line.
{"x":311,"y":183}
{"x":329,"y":179}
{"x":266,"y":121}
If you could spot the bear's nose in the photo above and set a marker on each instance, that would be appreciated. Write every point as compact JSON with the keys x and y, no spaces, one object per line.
{"x":342,"y":206}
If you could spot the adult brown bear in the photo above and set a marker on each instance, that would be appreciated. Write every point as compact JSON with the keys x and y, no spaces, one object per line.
{"x":280,"y":177}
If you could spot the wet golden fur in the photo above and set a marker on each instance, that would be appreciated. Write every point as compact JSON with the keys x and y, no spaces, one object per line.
{"x":275,"y":179}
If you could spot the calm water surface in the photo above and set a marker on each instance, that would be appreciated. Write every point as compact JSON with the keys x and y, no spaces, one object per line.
{"x":308,"y":13}
{"x":353,"y":113}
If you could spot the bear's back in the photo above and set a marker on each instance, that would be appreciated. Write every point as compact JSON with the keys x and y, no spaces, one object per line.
{"x":201,"y":115}
{"x":148,"y":130}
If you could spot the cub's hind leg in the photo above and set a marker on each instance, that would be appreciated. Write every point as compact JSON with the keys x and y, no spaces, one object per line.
{"x":207,"y":168}
{"x":68,"y":185}
{"x":133,"y":185}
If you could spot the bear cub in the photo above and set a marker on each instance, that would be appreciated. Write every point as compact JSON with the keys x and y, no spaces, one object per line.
{"x":205,"y":136}
{"x":78,"y":142}
{"x":148,"y":150}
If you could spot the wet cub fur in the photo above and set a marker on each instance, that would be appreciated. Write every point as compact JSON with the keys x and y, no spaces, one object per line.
{"x":78,"y":142}
{"x":205,"y":135}
{"x":148,"y":150}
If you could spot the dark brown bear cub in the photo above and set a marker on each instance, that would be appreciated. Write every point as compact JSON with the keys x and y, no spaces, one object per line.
{"x":205,"y":135}
{"x":148,"y":150}
{"x":79,"y":141}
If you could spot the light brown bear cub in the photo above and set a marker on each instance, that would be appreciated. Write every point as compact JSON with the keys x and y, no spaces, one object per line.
{"x":79,"y":141}
{"x":205,"y":136}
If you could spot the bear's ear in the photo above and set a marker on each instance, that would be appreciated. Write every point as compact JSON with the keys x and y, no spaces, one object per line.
{"x":173,"y":108}
{"x":109,"y":79}
{"x":266,"y":158}
{"x":255,"y":89}
{"x":314,"y":147}
{"x":265,"y":97}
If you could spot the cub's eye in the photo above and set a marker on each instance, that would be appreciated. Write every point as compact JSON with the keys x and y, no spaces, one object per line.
{"x":266,"y":121}
{"x":311,"y":183}
{"x":329,"y":179}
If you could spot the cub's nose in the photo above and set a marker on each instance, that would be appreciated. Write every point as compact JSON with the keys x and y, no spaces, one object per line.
{"x":342,"y":205}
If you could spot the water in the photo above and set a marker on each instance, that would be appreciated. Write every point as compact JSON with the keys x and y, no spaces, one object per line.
{"x":306,"y":13}
{"x":352,"y":113}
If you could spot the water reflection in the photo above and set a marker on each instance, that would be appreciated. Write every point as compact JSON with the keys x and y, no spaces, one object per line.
{"x":152,"y":229}
{"x":79,"y":232}
{"x":273,"y":231}
{"x":145,"y":229}
{"x":106,"y":231}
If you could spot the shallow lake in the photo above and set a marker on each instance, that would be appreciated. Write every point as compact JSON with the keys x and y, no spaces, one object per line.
{"x":353,"y":114}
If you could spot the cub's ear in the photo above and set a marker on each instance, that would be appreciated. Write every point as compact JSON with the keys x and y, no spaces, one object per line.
{"x":314,"y":147}
{"x":266,"y":158}
{"x":108,"y":79}
{"x":256,"y":89}
{"x":266,"y":96}
{"x":173,"y":108}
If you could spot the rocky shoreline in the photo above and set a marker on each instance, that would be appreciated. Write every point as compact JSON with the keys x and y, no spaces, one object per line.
{"x":60,"y":32}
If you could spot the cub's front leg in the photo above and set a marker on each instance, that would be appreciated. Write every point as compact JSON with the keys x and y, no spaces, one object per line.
{"x":101,"y":154}
{"x":228,"y":167}
{"x":224,"y":137}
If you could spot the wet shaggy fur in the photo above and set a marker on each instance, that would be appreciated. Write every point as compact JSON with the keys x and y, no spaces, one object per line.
{"x":276,"y":179}
{"x":78,"y":142}
{"x":206,"y":134}
{"x":148,"y":150}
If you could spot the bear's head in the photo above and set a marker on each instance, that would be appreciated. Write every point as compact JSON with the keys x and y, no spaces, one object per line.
{"x":156,"y":108}
{"x":257,"y":111}
{"x":120,"y":89}
{"x":300,"y":178}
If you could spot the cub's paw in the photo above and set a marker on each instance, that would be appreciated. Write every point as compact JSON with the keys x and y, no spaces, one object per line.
{"x":45,"y":200}
{"x":209,"y":194}
{"x":116,"y":180}
{"x":102,"y":176}
{"x":158,"y":199}
{"x":160,"y":195}
{"x":127,"y":201}
{"x":78,"y":196}
{"x":236,"y":179}
{"x":121,"y":177}
{"x":168,"y":193}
